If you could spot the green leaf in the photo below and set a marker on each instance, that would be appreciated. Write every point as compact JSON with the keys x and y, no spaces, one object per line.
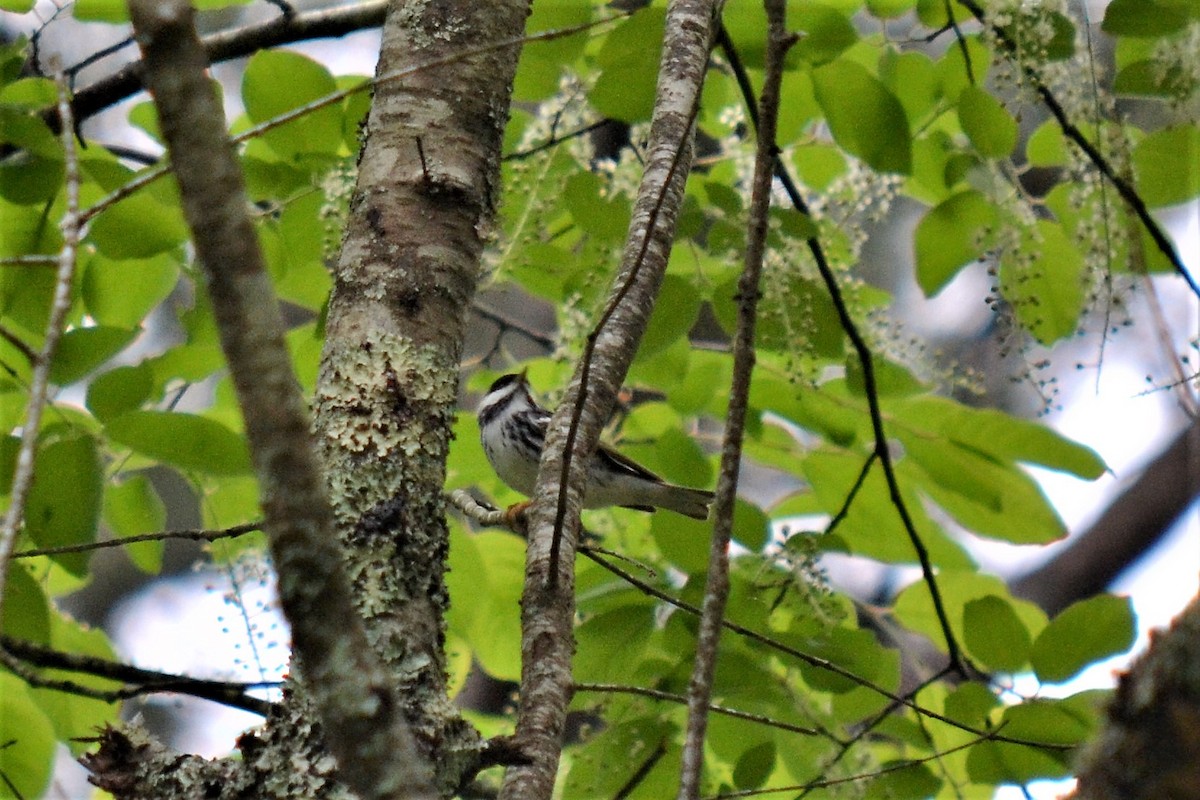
{"x":914,"y":780}
{"x":891,"y":379}
{"x":184,"y":440}
{"x":64,"y":501}
{"x":959,"y":587}
{"x":951,"y":235}
{"x":77,"y":717}
{"x":36,"y":174}
{"x":795,"y":313}
{"x":1046,"y":146}
{"x":121,"y":293}
{"x":628,"y":62}
{"x":827,"y":33}
{"x":542,"y":62}
{"x":27,"y":756}
{"x":592,"y":207}
{"x":1067,"y":722}
{"x":1085,"y":633}
{"x":82,"y":350}
{"x":872,"y":526}
{"x":26,"y":608}
{"x":596,"y":660}
{"x":683,"y":541}
{"x":485,"y":579}
{"x":278,"y":81}
{"x":987,"y":123}
{"x":997,"y":434}
{"x":911,"y":77}
{"x":1048,"y":297}
{"x":626,"y":750}
{"x":1154,"y":79}
{"x":888,"y":9}
{"x":864,"y":117}
{"x":818,"y":165}
{"x":132,"y":508}
{"x":119,"y":390}
{"x":991,"y":498}
{"x":17,"y":6}
{"x":951,"y":69}
{"x":142,"y":225}
{"x":995,"y":635}
{"x":1165,"y":163}
{"x":755,"y":766}
{"x":1150,"y":18}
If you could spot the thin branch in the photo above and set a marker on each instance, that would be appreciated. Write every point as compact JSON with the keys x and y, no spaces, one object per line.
{"x":865,"y":729}
{"x":642,"y":771}
{"x":716,"y":587}
{"x":1128,"y":193}
{"x":827,"y":782}
{"x":509,"y":322}
{"x":811,"y":660}
{"x":671,"y":697}
{"x":148,"y":177}
{"x":961,"y":40}
{"x":39,"y":384}
{"x":142,"y":681}
{"x":16,"y":341}
{"x":589,"y":348}
{"x":31,"y":260}
{"x":548,"y":602}
{"x":235,"y":43}
{"x":864,"y":356}
{"x":186,"y":535}
{"x":554,"y":141}
{"x":353,"y":694}
{"x":853,"y":493}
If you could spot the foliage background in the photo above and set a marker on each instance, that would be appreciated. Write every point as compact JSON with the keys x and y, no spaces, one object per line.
{"x":876,"y":122}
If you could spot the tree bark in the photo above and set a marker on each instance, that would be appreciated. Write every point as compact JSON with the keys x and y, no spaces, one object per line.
{"x":384,"y":405}
{"x":387,"y":388}
{"x":548,"y":602}
{"x":1149,"y":746}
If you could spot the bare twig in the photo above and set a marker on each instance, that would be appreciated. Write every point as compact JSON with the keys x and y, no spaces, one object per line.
{"x":139,"y":681}
{"x":235,"y":43}
{"x":671,"y":697}
{"x":716,"y":588}
{"x":826,"y":782}
{"x":39,"y":384}
{"x":186,"y":535}
{"x":353,"y":694}
{"x":811,"y":660}
{"x":31,"y":260}
{"x":20,"y":344}
{"x":148,"y":177}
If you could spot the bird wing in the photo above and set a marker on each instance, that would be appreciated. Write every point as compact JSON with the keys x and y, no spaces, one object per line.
{"x":624,"y":463}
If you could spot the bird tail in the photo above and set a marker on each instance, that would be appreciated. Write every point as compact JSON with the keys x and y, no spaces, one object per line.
{"x":692,"y":503}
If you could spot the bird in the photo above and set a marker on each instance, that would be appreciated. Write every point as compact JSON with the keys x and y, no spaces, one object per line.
{"x":512,"y":429}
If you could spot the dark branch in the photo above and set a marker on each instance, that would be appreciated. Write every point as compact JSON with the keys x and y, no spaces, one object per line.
{"x":863,"y":353}
{"x":140,"y":681}
{"x":1123,"y":187}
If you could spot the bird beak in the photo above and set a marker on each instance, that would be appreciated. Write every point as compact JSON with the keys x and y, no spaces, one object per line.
{"x":521,"y":377}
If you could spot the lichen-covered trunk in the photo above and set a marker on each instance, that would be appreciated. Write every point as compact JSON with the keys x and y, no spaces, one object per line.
{"x":387,"y":388}
{"x":385,"y":400}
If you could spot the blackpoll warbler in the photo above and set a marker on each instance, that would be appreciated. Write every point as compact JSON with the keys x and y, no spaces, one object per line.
{"x":512,"y":427}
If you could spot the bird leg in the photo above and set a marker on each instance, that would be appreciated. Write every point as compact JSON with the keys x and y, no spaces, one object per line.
{"x":514,"y":517}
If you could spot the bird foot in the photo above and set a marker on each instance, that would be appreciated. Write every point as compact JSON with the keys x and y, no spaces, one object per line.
{"x":514,"y":517}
